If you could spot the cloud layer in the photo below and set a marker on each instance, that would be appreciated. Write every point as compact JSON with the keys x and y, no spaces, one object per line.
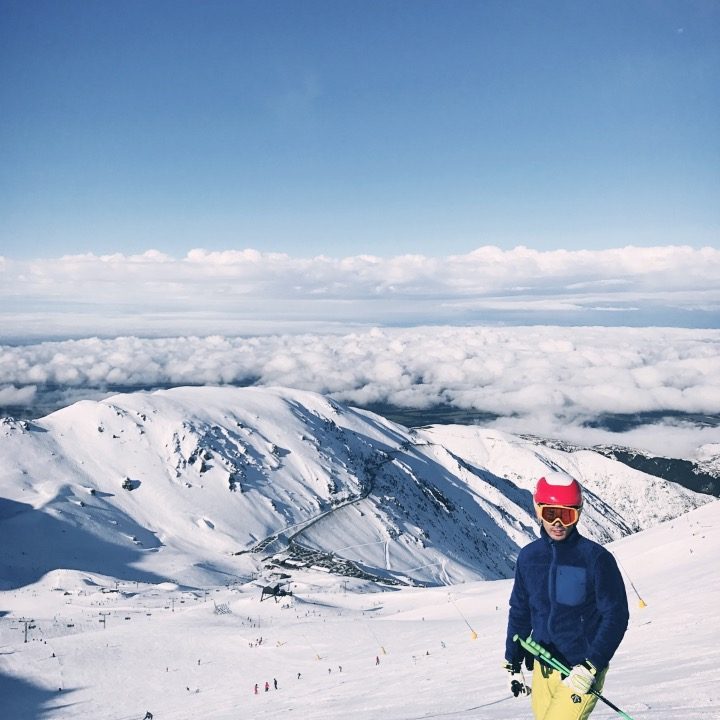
{"x":249,"y":292}
{"x":546,"y":380}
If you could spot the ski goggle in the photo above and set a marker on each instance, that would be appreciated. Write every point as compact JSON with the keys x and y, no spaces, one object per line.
{"x":566,"y":515}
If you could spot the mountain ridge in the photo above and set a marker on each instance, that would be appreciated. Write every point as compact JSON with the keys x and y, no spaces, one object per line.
{"x":194,"y":485}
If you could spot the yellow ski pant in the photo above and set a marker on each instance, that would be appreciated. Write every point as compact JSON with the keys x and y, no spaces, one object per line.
{"x":551,"y":700}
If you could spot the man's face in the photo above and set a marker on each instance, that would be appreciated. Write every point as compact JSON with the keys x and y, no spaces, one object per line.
{"x":556,"y":530}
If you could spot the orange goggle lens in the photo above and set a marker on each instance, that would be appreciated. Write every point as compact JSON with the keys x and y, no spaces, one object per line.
{"x":566,"y":515}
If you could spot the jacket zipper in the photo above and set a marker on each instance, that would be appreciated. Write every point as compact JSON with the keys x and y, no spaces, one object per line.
{"x":551,"y":584}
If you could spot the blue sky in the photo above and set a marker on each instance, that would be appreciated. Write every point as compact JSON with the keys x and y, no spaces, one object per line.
{"x":345,"y":128}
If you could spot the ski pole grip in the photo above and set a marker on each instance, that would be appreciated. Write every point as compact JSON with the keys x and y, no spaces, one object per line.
{"x":542,"y":654}
{"x":528,"y":644}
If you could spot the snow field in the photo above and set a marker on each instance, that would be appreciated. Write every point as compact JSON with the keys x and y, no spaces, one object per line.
{"x":430,"y":664}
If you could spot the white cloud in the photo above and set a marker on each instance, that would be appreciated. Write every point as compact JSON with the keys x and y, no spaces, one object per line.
{"x":271,"y":318}
{"x":248,"y":292}
{"x":546,"y":380}
{"x":666,"y":438}
{"x":10,"y":395}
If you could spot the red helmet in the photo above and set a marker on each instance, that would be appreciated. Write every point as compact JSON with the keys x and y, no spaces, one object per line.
{"x":558,"y":489}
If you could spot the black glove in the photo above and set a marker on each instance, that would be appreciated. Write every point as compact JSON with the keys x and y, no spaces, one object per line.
{"x":518,"y":685}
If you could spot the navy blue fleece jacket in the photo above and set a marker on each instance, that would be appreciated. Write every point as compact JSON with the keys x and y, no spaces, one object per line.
{"x":571,"y":597}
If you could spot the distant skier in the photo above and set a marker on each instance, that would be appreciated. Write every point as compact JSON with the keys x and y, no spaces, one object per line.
{"x":256,"y":688}
{"x":377,"y":659}
{"x":267,"y":686}
{"x":148,"y":716}
{"x":569,"y":594}
{"x":275,"y":683}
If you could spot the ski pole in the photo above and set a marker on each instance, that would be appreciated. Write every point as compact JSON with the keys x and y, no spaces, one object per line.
{"x":544,"y":656}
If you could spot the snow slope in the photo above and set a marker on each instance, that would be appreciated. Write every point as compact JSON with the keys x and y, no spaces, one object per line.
{"x":192,"y":654}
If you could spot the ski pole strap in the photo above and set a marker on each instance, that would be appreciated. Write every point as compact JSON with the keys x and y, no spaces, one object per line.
{"x":546,"y":657}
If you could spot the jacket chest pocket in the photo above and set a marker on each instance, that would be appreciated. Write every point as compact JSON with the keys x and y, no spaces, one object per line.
{"x":570,"y":585}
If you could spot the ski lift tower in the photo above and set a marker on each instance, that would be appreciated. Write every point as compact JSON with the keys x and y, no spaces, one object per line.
{"x":27,"y":622}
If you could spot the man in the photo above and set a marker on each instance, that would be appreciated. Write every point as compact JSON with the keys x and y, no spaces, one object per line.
{"x":569,"y":594}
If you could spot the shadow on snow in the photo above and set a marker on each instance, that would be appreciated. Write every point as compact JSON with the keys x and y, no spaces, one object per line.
{"x":34,"y":543}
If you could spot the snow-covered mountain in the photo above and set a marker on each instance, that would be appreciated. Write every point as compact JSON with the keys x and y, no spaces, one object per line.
{"x":701,"y":473}
{"x":101,"y":649}
{"x":209,"y":485}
